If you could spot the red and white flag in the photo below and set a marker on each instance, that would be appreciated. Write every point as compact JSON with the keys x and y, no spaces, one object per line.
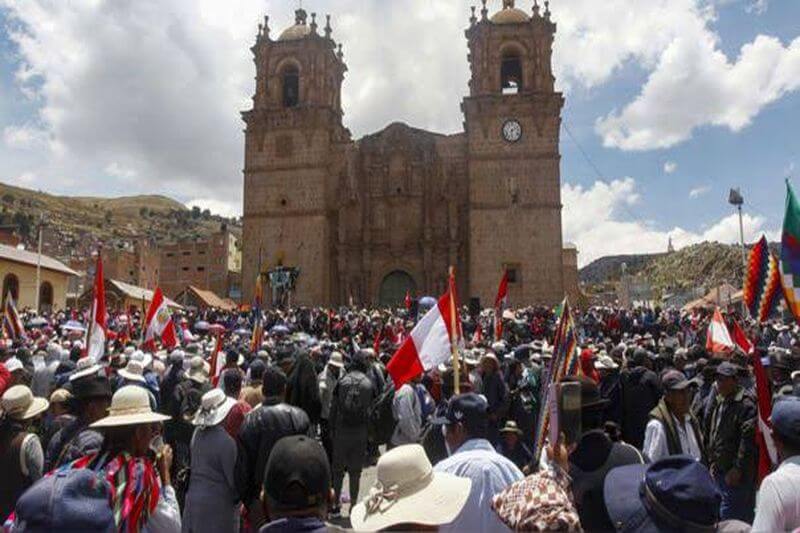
{"x":740,"y":338}
{"x":718,"y":338}
{"x":767,"y":453}
{"x":499,"y":303}
{"x":429,"y":344}
{"x":159,"y":323}
{"x":96,"y":332}
{"x":407,"y":300}
{"x":216,"y":365}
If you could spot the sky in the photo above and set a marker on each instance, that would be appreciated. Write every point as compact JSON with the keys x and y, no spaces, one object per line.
{"x":669,"y":103}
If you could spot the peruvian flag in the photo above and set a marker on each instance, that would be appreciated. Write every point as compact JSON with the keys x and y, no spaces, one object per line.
{"x":159,"y":323}
{"x":499,"y":303}
{"x":430,"y":342}
{"x":740,"y":338}
{"x":407,"y":300}
{"x":96,"y":332}
{"x":767,"y":453}
{"x":718,"y":338}
{"x":216,"y":364}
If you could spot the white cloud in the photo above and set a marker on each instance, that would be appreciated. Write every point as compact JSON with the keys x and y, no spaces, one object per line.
{"x":26,"y":179}
{"x":598,"y":220}
{"x":119,"y":171}
{"x":24,"y":137}
{"x":699,"y":191}
{"x":217,"y":207}
{"x":670,"y":167}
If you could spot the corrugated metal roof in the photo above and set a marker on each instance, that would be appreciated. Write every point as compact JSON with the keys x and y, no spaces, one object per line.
{"x":211,"y":299}
{"x":11,"y":253}
{"x":139,"y":293}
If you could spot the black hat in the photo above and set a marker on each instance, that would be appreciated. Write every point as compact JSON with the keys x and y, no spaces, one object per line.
{"x":590,"y":393}
{"x":298,"y":475}
{"x":469,"y":409}
{"x":676,"y":493}
{"x":727,"y":369}
{"x":674,"y":380}
{"x":91,"y":387}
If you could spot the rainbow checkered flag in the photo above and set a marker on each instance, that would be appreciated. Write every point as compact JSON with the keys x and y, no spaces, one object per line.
{"x":762,"y":282}
{"x":790,"y":253}
{"x":12,"y":324}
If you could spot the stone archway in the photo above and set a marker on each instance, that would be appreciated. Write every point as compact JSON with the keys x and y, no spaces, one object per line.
{"x":393,"y":288}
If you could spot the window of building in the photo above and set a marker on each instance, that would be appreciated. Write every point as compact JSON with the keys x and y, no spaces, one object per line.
{"x":10,"y":287}
{"x":185,"y":269}
{"x":511,"y":73}
{"x":46,"y":296}
{"x":514,"y":272}
{"x":187,"y":252}
{"x":201,"y":269}
{"x":170,"y":254}
{"x":291,"y":86}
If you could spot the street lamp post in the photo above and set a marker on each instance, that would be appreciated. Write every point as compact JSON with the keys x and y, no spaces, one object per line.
{"x":736,"y":199}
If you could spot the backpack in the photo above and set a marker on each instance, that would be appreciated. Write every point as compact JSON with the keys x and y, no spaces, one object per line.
{"x":354,"y":399}
{"x":66,"y":500}
{"x":381,"y":416}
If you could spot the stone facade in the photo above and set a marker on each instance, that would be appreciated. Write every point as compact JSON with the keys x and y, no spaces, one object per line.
{"x":365,"y":220}
{"x":207,"y":263}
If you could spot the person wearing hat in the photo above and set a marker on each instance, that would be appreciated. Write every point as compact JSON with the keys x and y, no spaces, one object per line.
{"x":302,"y":389}
{"x":730,"y":438}
{"x":512,"y":447}
{"x":59,"y":415}
{"x":409,"y":495}
{"x":496,"y":392}
{"x":262,"y":428}
{"x":610,"y":387}
{"x":251,"y":392}
{"x":327,"y":382}
{"x":465,"y":425}
{"x":640,"y":394}
{"x":231,"y":382}
{"x":91,"y":396}
{"x":212,"y":498}
{"x":778,"y":502}
{"x":593,"y":455}
{"x":297,"y":494}
{"x":133,"y":374}
{"x":676,"y":493}
{"x":21,"y":456}
{"x":672,"y":429}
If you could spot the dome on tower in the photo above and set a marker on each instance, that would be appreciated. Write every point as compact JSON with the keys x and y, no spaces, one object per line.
{"x":299,"y":30}
{"x":510,"y":14}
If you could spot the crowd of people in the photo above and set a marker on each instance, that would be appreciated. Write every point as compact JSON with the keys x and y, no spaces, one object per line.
{"x":227,"y":432}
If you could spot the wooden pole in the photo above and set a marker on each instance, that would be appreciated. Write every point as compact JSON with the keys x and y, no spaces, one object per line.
{"x":454,"y":330}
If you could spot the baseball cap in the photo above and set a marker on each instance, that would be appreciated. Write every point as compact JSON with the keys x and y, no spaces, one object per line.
{"x":674,"y":380}
{"x":786,"y":418}
{"x":298,"y":475}
{"x":469,"y":409}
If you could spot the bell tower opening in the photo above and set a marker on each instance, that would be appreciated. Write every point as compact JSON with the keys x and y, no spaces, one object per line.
{"x":511,"y":73}
{"x":290,"y":83}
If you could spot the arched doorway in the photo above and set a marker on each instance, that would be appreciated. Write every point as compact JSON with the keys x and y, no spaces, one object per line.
{"x":393,"y":288}
{"x":46,"y":297}
{"x":10,"y":287}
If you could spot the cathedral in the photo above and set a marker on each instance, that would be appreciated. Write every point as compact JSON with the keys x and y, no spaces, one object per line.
{"x":365,"y":220}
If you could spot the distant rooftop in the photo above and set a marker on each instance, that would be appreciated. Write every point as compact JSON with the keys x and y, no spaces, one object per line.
{"x":25,"y":257}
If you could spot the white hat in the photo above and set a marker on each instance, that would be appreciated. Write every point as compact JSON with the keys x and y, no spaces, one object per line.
{"x":13,"y":364}
{"x":408,"y":491}
{"x":133,"y":371}
{"x":214,"y":407}
{"x":85,"y":367}
{"x":130,"y":405}
{"x":19,"y":403}
{"x":508,"y":314}
{"x":605,"y":362}
{"x":144,"y":357}
{"x":197,"y":371}
{"x":336,"y":360}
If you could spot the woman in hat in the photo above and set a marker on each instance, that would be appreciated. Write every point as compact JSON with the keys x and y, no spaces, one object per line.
{"x":212,"y":499}
{"x":21,"y":456}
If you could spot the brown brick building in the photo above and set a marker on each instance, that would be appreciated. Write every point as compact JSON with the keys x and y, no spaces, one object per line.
{"x":373,"y":217}
{"x":209,"y":263}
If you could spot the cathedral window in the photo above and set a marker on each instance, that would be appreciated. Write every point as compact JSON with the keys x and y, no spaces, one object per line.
{"x":291,"y":86}
{"x":511,"y":73}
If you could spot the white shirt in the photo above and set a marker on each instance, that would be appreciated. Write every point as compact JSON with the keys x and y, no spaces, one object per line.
{"x":778,"y":503}
{"x":655,"y":439}
{"x":490,"y":473}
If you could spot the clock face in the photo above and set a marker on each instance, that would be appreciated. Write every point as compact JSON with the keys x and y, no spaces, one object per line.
{"x":512,"y":131}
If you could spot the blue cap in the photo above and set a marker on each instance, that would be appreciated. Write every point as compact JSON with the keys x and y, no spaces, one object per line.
{"x":676,"y":493}
{"x":467,"y":409}
{"x":786,"y":418}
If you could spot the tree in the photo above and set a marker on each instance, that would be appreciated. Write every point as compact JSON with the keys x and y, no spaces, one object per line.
{"x":206,"y":214}
{"x":196,"y":212}
{"x":8,"y":198}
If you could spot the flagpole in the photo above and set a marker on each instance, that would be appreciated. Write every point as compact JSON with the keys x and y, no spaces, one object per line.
{"x":453,"y":343}
{"x":92,"y":311}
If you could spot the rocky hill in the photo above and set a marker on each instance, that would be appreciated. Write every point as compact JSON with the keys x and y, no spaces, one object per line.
{"x":609,"y":268}
{"x":72,"y":223}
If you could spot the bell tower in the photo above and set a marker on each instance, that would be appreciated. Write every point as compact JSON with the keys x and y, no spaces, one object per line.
{"x":291,"y":136}
{"x":512,"y":122}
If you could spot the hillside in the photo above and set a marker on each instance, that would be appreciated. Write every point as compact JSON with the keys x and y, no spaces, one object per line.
{"x":609,"y":268}
{"x":73,"y":223}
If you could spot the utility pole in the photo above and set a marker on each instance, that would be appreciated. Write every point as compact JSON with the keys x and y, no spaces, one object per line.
{"x":736,"y":199}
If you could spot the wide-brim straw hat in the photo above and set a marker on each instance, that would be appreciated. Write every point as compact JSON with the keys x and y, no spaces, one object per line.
{"x":19,"y":403}
{"x":511,"y":427}
{"x":408,"y":491}
{"x":130,"y":406}
{"x":134,"y":371}
{"x":214,"y":407}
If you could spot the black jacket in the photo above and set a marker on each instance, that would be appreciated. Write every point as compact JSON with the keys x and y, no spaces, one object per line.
{"x":730,"y":434}
{"x":302,"y":389}
{"x":261,"y":429}
{"x":640,"y":394}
